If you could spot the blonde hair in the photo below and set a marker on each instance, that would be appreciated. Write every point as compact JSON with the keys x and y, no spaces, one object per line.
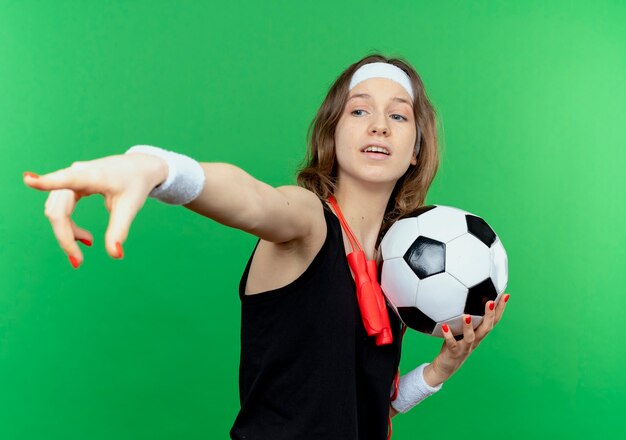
{"x":318,"y":170}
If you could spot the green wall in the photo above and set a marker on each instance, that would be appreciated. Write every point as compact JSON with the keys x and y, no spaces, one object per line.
{"x":531,"y":100}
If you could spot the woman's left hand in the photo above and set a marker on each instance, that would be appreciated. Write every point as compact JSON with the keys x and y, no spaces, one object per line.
{"x":453,"y":353}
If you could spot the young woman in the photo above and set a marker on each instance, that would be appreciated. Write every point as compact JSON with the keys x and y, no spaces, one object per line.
{"x":308,"y":368}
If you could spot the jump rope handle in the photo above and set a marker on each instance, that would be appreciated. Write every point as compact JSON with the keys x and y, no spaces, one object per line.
{"x":385,"y":336}
{"x":369,"y":295}
{"x":370,"y":298}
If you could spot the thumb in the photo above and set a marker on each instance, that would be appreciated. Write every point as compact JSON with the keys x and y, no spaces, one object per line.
{"x":123,"y":212}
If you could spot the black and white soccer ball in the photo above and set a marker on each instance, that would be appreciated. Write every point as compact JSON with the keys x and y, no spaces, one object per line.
{"x":438,"y":264}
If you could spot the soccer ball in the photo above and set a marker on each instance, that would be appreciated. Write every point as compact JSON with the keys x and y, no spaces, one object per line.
{"x":438,"y":264}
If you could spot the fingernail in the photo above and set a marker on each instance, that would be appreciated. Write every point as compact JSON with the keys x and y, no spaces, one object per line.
{"x":492,"y":305}
{"x":29,"y":174}
{"x":445,"y":328}
{"x":468,"y":319}
{"x":120,"y":252}
{"x":84,"y":241}
{"x":506,"y":297}
{"x":74,"y":261}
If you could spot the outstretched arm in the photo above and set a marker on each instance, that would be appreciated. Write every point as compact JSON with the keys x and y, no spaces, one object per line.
{"x":229,"y":195}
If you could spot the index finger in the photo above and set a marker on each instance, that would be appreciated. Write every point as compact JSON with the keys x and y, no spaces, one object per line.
{"x":72,"y":177}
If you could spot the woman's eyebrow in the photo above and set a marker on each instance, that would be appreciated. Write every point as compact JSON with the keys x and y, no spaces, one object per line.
{"x":368,"y":96}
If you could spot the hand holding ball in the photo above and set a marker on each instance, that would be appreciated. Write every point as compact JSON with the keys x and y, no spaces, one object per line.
{"x":438,"y":264}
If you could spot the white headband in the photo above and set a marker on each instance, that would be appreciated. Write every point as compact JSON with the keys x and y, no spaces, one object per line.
{"x":382,"y":70}
{"x":389,"y":71}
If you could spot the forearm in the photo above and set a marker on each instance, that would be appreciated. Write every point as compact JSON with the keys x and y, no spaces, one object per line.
{"x":412,"y":388}
{"x":229,"y":196}
{"x":432,"y":376}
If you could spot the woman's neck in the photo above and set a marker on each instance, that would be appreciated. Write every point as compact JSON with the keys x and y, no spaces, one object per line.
{"x":363,"y":208}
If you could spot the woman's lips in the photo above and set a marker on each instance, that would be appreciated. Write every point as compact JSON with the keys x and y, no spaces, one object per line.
{"x":376,"y":156}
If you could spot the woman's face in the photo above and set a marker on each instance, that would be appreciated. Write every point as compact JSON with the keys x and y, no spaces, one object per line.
{"x":380,"y":117}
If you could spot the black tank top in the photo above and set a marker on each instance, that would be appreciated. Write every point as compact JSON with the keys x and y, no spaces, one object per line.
{"x":308,"y":370}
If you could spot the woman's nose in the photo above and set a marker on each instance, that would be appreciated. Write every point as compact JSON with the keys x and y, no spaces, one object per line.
{"x":382,"y":130}
{"x":379,"y":126}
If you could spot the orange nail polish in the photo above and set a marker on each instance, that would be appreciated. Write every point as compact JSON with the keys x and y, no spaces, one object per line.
{"x":84,"y":241}
{"x":445,"y":328}
{"x":29,"y":174}
{"x":492,"y":305}
{"x":74,"y":261}
{"x":468,"y":319}
{"x":506,"y":297}
{"x":120,"y":251}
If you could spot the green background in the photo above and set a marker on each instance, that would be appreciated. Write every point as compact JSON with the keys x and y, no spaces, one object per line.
{"x":531,"y":101}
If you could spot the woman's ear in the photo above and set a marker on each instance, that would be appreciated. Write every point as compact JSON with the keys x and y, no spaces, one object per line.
{"x":414,"y":159}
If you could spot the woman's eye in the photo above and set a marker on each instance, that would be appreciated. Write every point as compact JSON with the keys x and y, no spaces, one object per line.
{"x":361,"y":110}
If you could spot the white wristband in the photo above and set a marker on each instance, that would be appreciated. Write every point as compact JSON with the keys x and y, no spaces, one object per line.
{"x":185,"y":177}
{"x":412,"y":389}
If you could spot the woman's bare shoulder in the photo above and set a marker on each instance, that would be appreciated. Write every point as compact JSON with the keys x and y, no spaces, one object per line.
{"x":293,"y":256}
